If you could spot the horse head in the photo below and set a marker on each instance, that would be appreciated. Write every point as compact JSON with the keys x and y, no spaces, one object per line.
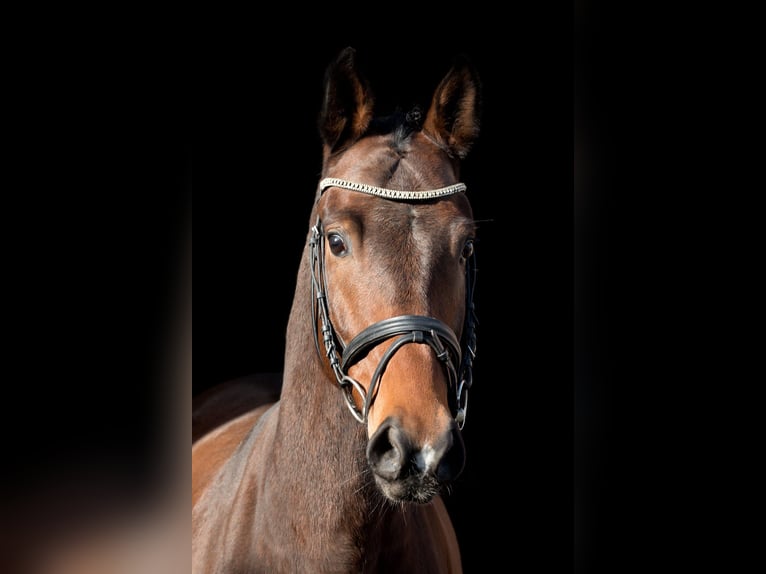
{"x":393,"y":270}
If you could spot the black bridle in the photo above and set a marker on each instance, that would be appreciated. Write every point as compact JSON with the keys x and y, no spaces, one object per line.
{"x":409,"y":328}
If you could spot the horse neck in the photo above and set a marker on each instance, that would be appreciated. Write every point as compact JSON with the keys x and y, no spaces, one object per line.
{"x":310,"y":500}
{"x":319,"y":441}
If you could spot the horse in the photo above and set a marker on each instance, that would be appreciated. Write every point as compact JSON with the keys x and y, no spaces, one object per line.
{"x":344,"y":467}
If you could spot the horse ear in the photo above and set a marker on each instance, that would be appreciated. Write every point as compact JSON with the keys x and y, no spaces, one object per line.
{"x":454,"y":116}
{"x":348,"y":103}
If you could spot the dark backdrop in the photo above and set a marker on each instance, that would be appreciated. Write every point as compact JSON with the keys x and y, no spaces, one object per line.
{"x":100,"y":125}
{"x":112,"y":134}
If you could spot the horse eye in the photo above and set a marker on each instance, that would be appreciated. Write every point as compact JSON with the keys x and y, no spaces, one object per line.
{"x":337,"y":245}
{"x":467,"y":249}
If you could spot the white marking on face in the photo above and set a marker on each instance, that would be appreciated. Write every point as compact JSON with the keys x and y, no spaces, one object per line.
{"x":425,"y":458}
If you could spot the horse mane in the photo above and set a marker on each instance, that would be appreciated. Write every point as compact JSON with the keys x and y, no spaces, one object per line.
{"x":400,"y":124}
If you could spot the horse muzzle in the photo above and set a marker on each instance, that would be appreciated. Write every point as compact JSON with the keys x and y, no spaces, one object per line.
{"x":407,"y":472}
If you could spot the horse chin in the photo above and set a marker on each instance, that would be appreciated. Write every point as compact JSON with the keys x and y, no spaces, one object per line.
{"x":418,"y":489}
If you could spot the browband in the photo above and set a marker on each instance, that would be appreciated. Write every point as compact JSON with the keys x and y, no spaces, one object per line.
{"x":394,"y":194}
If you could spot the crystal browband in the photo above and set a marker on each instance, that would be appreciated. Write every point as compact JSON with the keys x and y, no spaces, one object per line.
{"x":394,"y":194}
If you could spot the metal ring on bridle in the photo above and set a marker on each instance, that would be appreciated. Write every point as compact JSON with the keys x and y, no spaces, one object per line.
{"x":344,"y":382}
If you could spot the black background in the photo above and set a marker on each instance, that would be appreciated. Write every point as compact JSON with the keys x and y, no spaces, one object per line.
{"x":111,"y":144}
{"x":614,"y":258}
{"x":611,"y":266}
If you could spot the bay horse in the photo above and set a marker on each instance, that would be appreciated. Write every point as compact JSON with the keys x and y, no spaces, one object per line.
{"x":346,"y":469}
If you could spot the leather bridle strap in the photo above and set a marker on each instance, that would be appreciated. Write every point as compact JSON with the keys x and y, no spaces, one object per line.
{"x":413,"y":329}
{"x":403,"y":324}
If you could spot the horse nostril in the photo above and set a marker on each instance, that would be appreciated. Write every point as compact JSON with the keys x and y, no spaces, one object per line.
{"x":388,"y":451}
{"x":452,"y":455}
{"x":392,"y":456}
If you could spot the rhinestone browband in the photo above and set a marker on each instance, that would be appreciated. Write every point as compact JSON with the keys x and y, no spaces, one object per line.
{"x":394,"y":194}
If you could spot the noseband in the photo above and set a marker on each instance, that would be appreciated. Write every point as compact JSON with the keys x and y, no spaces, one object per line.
{"x":409,"y":328}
